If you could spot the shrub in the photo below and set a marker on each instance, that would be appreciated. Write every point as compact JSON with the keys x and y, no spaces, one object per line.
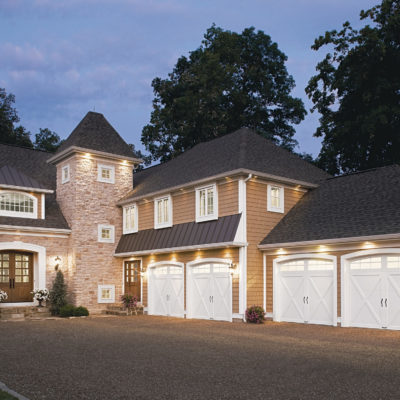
{"x":255,"y":315}
{"x":58,"y":294}
{"x":67,"y":311}
{"x":81,"y":312}
{"x":129,"y":300}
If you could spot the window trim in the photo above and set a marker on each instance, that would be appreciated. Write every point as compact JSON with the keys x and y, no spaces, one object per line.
{"x":167,"y":224}
{"x":112,"y":174}
{"x":100,"y":227}
{"x":17,"y":214}
{"x":208,"y":217}
{"x":67,"y":179}
{"x":99,"y":293}
{"x":270,"y":208}
{"x":136,"y":221}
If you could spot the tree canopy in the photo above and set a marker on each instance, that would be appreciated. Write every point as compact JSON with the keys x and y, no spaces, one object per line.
{"x":232,"y":80}
{"x":357,"y":92}
{"x":18,"y":135}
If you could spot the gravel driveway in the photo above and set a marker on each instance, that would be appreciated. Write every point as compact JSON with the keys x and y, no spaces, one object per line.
{"x":164,"y":358}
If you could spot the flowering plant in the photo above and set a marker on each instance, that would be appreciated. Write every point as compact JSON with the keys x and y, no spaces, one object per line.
{"x":255,"y":315}
{"x":3,"y":295}
{"x":40,"y":294}
{"x":131,"y":303}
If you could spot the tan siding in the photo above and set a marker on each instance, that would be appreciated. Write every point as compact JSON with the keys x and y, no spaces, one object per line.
{"x":184,"y":208}
{"x":228,"y":202}
{"x":232,"y":254}
{"x":146,"y":215}
{"x":259,"y":223}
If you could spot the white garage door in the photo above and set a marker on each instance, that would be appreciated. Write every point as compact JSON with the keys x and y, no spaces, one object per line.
{"x":166,"y":294}
{"x":373,"y":296}
{"x":305,"y":291}
{"x":210,"y":292}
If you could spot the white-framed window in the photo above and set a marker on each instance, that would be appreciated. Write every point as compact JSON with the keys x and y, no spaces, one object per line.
{"x":275,"y":199}
{"x":206,"y":203}
{"x":105,"y":173}
{"x":130,"y":219}
{"x":163,"y":212}
{"x":65,"y":174}
{"x":17,"y":204}
{"x":106,"y":294}
{"x":106,"y":233}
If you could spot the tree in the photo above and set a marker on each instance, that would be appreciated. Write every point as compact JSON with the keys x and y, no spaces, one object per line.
{"x":232,"y":80}
{"x":357,"y":92}
{"x":58,"y":294}
{"x":47,"y":140}
{"x":8,"y":118}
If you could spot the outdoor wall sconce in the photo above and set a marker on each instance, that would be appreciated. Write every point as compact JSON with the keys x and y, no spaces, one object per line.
{"x":57,"y":260}
{"x":142,"y":271}
{"x":233,"y":268}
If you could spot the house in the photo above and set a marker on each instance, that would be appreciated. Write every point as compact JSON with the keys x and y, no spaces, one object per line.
{"x":232,"y":222}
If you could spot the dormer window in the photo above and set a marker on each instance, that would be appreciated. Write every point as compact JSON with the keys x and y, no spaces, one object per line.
{"x":130,"y":219}
{"x":162,"y":212}
{"x":105,"y":173}
{"x":206,"y":203}
{"x":65,"y":174}
{"x":275,"y":199}
{"x":16,"y":204}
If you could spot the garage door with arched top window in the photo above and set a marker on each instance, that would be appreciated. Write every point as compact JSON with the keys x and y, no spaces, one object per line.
{"x":371,"y":289}
{"x":209,"y":290}
{"x":166,"y":289}
{"x":305,"y":290}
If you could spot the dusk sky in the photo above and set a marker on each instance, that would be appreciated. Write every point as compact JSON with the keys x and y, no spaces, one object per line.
{"x":62,"y":58}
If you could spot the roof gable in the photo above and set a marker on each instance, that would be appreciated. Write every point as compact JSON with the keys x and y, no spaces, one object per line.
{"x":94,"y":132}
{"x":353,"y":205}
{"x":242,"y":149}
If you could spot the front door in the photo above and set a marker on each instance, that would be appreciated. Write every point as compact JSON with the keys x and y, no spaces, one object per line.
{"x":132,"y":278}
{"x":16,"y":276}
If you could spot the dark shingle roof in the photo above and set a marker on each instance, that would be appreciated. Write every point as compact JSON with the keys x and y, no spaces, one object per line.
{"x":222,"y":230}
{"x":33,"y":163}
{"x":94,"y":132}
{"x":12,"y":177}
{"x":359,"y":204}
{"x":243,"y":149}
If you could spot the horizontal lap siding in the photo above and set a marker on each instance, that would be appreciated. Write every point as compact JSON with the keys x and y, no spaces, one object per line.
{"x":184,"y":207}
{"x":228,"y":202}
{"x":232,"y":254}
{"x":259,"y":223}
{"x":146,"y":215}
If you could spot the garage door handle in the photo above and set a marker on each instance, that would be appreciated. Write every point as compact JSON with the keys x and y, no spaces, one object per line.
{"x":386,"y":303}
{"x":210,"y":299}
{"x":381,"y":302}
{"x":307,"y":299}
{"x":304,"y":299}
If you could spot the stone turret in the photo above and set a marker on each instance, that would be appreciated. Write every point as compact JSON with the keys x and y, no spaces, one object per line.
{"x":94,"y":170}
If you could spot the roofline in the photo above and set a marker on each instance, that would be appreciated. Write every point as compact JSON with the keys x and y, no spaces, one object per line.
{"x":182,"y":248}
{"x":30,"y":189}
{"x":329,"y":241}
{"x":33,"y":228}
{"x":76,"y":149}
{"x":218,"y":176}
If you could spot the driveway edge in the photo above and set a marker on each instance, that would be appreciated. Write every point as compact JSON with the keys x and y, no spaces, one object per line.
{"x":9,"y":391}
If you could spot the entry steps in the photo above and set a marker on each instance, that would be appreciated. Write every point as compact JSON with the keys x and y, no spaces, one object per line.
{"x":23,"y":313}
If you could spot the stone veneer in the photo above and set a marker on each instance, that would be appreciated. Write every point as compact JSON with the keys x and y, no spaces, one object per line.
{"x":85,"y":203}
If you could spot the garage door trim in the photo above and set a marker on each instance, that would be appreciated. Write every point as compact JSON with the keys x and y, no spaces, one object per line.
{"x":279,"y":260}
{"x":150,"y":268}
{"x":345,"y":262}
{"x":195,"y":263}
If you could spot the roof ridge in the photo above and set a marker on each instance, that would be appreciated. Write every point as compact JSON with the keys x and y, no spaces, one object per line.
{"x":363,"y":171}
{"x":25,"y":147}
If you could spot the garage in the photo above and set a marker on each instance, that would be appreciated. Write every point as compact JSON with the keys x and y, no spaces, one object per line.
{"x":371,"y":289}
{"x":166,"y":289}
{"x":209,"y":290}
{"x":305,"y":290}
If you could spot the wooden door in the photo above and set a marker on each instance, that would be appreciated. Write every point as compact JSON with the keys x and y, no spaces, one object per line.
{"x":132,"y":278}
{"x":16,"y":275}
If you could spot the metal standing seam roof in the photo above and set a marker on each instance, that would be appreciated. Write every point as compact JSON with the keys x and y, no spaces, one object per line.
{"x":222,"y":230}
{"x":12,"y":177}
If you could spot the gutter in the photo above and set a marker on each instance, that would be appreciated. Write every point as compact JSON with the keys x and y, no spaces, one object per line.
{"x":239,"y":171}
{"x":34,"y":229}
{"x":181,"y":249}
{"x":28,"y":189}
{"x":330,"y":241}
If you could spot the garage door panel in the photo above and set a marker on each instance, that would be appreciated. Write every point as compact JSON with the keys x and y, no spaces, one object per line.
{"x":320,"y":299}
{"x":159,"y":296}
{"x":222,"y":297}
{"x":200,"y":298}
{"x":292,"y":298}
{"x":176,"y":306}
{"x":393,"y":300}
{"x":366,"y":299}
